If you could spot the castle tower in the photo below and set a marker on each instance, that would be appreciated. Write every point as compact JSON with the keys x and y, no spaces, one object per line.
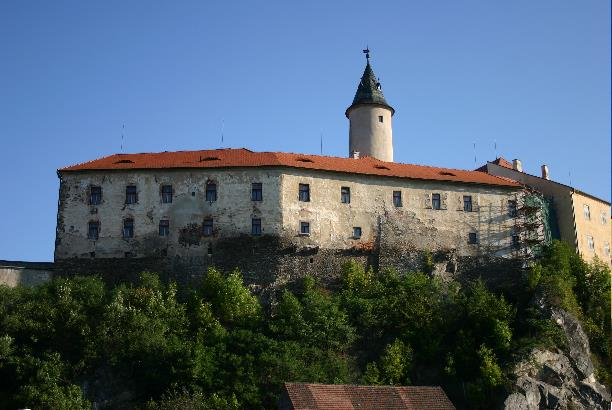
{"x":369,"y":115}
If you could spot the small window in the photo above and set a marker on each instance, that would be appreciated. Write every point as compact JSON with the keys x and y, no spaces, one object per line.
{"x":211,"y":192}
{"x":345,"y":195}
{"x":131,"y":196}
{"x":304,"y":195}
{"x":207,"y":227}
{"x":587,"y":212}
{"x":95,"y":195}
{"x":164,"y":227}
{"x":516,"y":241}
{"x":607,"y":248}
{"x":304,"y":228}
{"x":256,"y":226}
{"x":397,"y":198}
{"x":93,"y":230}
{"x":590,"y":242}
{"x":356,"y":232}
{"x":435,"y":201}
{"x":472,"y":238}
{"x":128,"y":228}
{"x":256,"y":191}
{"x":380,"y":118}
{"x":604,"y":218}
{"x":166,"y":192}
{"x":467,"y":203}
{"x":512,"y":211}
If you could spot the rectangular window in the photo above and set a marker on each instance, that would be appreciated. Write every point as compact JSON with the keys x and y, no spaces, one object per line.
{"x":587,"y":211}
{"x":211,"y":192}
{"x":516,"y":241}
{"x":131,"y":196}
{"x":397,"y":198}
{"x":380,"y":118}
{"x":604,"y":218}
{"x":512,"y":211}
{"x":95,"y":195}
{"x":93,"y":230}
{"x":128,"y":228}
{"x":345,"y":195}
{"x":435,"y":201}
{"x":164,"y":227}
{"x":304,"y":228}
{"x":256,"y":191}
{"x":472,"y":238}
{"x":607,"y":248}
{"x":166,"y":192}
{"x":256,"y":226}
{"x":356,"y":232}
{"x":467,"y":203}
{"x":304,"y":193}
{"x":590,"y":242}
{"x":207,"y":227}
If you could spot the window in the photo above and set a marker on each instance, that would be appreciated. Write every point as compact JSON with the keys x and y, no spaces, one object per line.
{"x":207,"y":227}
{"x":164,"y":227}
{"x":93,"y":230}
{"x":304,"y":193}
{"x":166,"y":192}
{"x":380,"y":118}
{"x":211,"y":192}
{"x":256,"y":191}
{"x":304,"y":228}
{"x":397,"y":198}
{"x":472,"y":238}
{"x":607,"y":248}
{"x":345,"y":195}
{"x":356,"y":232}
{"x":516,"y":240}
{"x":587,"y":212}
{"x":512,"y":211}
{"x":435,"y":201}
{"x":95,"y":195}
{"x":590,"y":243}
{"x":256,"y":226}
{"x":604,"y":218}
{"x":128,"y":228}
{"x":131,"y":196}
{"x":467,"y":203}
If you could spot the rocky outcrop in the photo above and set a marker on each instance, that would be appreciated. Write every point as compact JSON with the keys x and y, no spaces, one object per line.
{"x":559,"y":380}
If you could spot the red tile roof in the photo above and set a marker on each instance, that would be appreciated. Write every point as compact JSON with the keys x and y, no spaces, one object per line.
{"x":225,"y":158}
{"x":344,"y":397}
{"x":502,"y":162}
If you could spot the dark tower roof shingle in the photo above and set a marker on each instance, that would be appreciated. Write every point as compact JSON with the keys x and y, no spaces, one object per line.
{"x":369,"y":91}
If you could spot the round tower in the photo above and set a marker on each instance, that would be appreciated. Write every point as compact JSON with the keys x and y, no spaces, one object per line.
{"x":369,"y":115}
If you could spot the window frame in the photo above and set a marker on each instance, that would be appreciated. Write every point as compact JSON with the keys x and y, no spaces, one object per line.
{"x":433,"y":201}
{"x":473,"y":235}
{"x":98,"y":195}
{"x":211,"y":192}
{"x":164,"y":228}
{"x":256,"y":229}
{"x":591,"y":243}
{"x":305,"y":224}
{"x":586,"y":210}
{"x":397,"y":199}
{"x":467,"y":203}
{"x":208,"y":226}
{"x":256,"y":191}
{"x":345,"y":195}
{"x":381,"y":119}
{"x":131,"y":197}
{"x":304,"y":192}
{"x":127,"y":231}
{"x":166,"y":196}
{"x":91,"y":224}
{"x":512,"y":208}
{"x":603,"y":217}
{"x":357,"y":232}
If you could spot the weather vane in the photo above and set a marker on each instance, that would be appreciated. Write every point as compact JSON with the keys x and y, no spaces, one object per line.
{"x":367,"y":53}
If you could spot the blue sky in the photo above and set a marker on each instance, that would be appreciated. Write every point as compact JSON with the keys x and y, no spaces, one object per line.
{"x":532,"y":76}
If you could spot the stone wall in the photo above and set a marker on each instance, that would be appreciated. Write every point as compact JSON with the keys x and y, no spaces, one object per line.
{"x":14,"y":273}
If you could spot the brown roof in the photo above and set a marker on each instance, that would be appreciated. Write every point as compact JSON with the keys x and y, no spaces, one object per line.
{"x":345,"y":397}
{"x":502,"y":162}
{"x":224,"y":158}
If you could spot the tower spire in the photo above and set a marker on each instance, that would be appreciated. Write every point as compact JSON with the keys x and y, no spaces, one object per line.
{"x":367,"y":53}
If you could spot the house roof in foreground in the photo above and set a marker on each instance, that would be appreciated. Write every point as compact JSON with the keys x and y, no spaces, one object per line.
{"x":345,"y":397}
{"x":233,"y":158}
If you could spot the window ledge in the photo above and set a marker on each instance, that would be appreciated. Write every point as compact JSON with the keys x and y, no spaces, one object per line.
{"x":303,"y":234}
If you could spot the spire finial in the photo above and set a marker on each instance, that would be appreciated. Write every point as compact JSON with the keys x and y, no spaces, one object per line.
{"x":367,"y":53}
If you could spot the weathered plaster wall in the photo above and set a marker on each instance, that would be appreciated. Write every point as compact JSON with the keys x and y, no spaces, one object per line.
{"x":369,"y":136}
{"x":25,"y":273}
{"x":597,"y":226}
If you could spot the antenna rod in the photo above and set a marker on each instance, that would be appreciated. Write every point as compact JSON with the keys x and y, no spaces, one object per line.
{"x":122,"y":132}
{"x":321,"y":142}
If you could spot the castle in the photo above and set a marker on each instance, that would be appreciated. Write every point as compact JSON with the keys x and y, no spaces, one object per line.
{"x":276,"y":214}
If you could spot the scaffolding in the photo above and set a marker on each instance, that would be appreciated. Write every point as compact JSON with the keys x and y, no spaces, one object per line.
{"x":534,"y":224}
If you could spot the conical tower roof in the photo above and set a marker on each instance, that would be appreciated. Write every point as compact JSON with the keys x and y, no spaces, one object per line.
{"x":369,"y":91}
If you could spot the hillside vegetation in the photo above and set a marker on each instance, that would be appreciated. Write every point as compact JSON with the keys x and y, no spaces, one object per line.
{"x":74,"y":342}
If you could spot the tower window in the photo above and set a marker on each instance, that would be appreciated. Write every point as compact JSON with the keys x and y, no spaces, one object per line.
{"x":380,"y":118}
{"x":256,"y":226}
{"x":256,"y":191}
{"x":93,"y":230}
{"x":356,"y":232}
{"x":472,"y":238}
{"x":164,"y":227}
{"x":128,"y":228}
{"x":467,"y":203}
{"x":131,"y":196}
{"x":166,"y":192}
{"x":304,"y":195}
{"x":207,"y":227}
{"x":345,"y":195}
{"x":304,"y":228}
{"x":397,"y":199}
{"x":435,"y":201}
{"x":211,"y":192}
{"x":95,"y":195}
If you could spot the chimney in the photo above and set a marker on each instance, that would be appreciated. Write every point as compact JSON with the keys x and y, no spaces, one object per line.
{"x":516,"y":165}
{"x":355,"y":155}
{"x":545,"y":172}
